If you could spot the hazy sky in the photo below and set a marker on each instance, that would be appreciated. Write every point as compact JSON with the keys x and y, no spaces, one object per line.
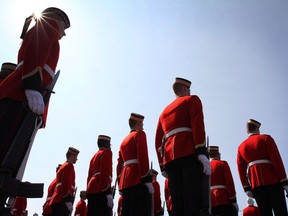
{"x":122,"y":56}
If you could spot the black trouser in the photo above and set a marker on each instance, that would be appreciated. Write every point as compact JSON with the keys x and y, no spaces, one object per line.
{"x":271,"y":198}
{"x":97,"y":205}
{"x":169,"y":213}
{"x":185,"y":184}
{"x":224,"y":210}
{"x":12,"y":114}
{"x":60,"y":209}
{"x":136,"y":201}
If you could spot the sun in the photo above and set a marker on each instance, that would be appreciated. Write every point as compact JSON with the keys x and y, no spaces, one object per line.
{"x":29,"y":7}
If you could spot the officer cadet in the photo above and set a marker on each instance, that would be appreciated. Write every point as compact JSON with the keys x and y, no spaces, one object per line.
{"x":133,"y":170}
{"x":223,"y":194}
{"x":47,"y":211}
{"x":6,"y":69}
{"x":251,"y":210}
{"x":64,"y":193}
{"x":81,"y":208}
{"x":158,"y":210}
{"x":24,"y":88}
{"x":19,"y":207}
{"x":181,"y":150}
{"x":266,"y":176}
{"x":100,"y":200}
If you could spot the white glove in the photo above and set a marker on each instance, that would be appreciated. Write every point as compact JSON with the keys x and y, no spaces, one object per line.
{"x":69,"y":206}
{"x":150,"y":187}
{"x":206,"y":164}
{"x":249,"y":194}
{"x":236,"y":206}
{"x":35,"y":101}
{"x":164,"y":174}
{"x":109,"y":200}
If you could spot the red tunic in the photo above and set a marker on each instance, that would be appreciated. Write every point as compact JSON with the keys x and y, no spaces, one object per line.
{"x":168,"y":198}
{"x":157,"y":196}
{"x":251,"y":211}
{"x":65,"y":183}
{"x":133,"y":147}
{"x":47,"y":207}
{"x":40,"y":47}
{"x":100,"y":172}
{"x":81,"y":208}
{"x":185,"y":112}
{"x":19,"y":206}
{"x":258,"y":148}
{"x":223,"y":192}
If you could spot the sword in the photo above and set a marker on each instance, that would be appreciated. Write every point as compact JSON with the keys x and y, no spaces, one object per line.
{"x":114,"y":187}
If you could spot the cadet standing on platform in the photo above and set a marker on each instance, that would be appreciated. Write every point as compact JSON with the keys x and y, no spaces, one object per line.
{"x":181,"y":149}
{"x":81,"y":207}
{"x":24,"y":88}
{"x":223,"y":194}
{"x":100,"y":200}
{"x":64,"y":193}
{"x":133,"y":171}
{"x":266,"y":179}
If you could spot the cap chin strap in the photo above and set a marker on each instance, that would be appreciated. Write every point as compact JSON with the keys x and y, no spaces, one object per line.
{"x":26,"y":25}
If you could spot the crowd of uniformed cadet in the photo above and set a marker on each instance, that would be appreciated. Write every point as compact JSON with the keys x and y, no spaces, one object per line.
{"x":180,"y":144}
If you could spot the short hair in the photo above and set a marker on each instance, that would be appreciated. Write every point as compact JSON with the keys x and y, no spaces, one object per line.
{"x":251,"y":127}
{"x":213,"y":154}
{"x":132,"y":123}
{"x":178,"y":88}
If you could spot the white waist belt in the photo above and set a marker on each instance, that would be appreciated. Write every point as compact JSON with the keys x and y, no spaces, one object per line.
{"x":49,"y":70}
{"x":217,"y":187}
{"x":130,"y":162}
{"x":59,"y":184}
{"x":176,"y":130}
{"x":46,"y":67}
{"x":98,"y":173}
{"x":19,"y":65}
{"x":258,"y":162}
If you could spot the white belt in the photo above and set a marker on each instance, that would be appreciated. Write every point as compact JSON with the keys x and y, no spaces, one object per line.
{"x":19,"y":65}
{"x":176,"y":130}
{"x":258,"y":162}
{"x":98,"y":173}
{"x":217,"y":187}
{"x":59,"y":184}
{"x":49,"y":70}
{"x":46,"y":67}
{"x":126,"y":163}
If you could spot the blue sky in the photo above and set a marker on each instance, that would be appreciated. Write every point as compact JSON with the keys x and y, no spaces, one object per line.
{"x":122,"y":56}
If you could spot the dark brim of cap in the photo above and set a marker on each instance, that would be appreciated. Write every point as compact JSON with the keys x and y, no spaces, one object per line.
{"x":52,"y":11}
